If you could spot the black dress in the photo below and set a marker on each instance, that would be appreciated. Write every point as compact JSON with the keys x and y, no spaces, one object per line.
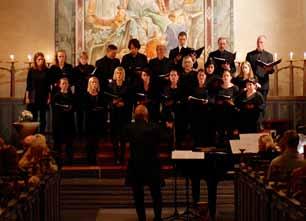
{"x":225,"y":114}
{"x":95,"y":121}
{"x":187,"y":82}
{"x":250,"y":108}
{"x":63,"y":122}
{"x":202,"y":127}
{"x":149,"y":98}
{"x":105,"y":69}
{"x":38,"y":91}
{"x":82,"y":73}
{"x":56,"y":73}
{"x":172,"y":112}
{"x":240,"y":83}
{"x":120,"y":117}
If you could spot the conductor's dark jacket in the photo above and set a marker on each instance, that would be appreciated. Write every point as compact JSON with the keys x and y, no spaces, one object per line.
{"x":144,"y":162}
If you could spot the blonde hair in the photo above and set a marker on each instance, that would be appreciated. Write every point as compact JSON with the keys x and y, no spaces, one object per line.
{"x":84,"y":53}
{"x":184,"y":60}
{"x":89,"y":88}
{"x":122,"y":71}
{"x":265,"y":142}
{"x":251,"y":73}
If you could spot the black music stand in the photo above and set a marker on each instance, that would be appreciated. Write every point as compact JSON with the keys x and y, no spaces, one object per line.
{"x":175,"y":215}
{"x":187,"y":214}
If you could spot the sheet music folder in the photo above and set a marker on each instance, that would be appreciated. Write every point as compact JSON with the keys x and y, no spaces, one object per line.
{"x":187,"y":155}
{"x":247,"y":142}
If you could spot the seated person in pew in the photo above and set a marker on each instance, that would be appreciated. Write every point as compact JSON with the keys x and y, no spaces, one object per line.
{"x":37,"y":160}
{"x":297,"y":186}
{"x":281,"y":167}
{"x":8,"y":159}
{"x":267,"y":149}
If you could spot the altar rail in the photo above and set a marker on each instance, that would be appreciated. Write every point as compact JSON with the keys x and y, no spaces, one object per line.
{"x":37,"y":204}
{"x":256,"y":201}
{"x":289,"y":110}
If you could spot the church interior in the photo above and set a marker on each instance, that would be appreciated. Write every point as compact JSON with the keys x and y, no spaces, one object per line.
{"x":153,"y":110}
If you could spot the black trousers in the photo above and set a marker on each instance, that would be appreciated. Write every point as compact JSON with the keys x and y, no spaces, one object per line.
{"x":212,"y":184}
{"x":138,"y":194}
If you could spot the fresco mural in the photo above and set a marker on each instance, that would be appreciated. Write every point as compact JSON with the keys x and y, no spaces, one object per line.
{"x":100,"y":22}
{"x":151,"y":22}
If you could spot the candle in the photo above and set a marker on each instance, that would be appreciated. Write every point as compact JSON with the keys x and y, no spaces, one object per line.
{"x":304,"y":55}
{"x":12,"y":57}
{"x":275,"y":56}
{"x":291,"y":55}
{"x":29,"y":57}
{"x":48,"y":58}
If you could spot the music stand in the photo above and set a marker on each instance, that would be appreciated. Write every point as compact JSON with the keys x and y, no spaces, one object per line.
{"x":175,"y":215}
{"x":184,"y":155}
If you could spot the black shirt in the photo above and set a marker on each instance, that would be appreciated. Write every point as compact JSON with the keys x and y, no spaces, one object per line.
{"x":56,"y":73}
{"x":222,"y":54}
{"x":81,"y":77}
{"x":263,"y":78}
{"x":159,"y":66}
{"x":38,"y":86}
{"x":133,"y":63}
{"x":105,"y":68}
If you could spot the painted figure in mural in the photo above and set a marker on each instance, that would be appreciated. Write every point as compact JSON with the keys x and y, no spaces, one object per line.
{"x":151,"y":22}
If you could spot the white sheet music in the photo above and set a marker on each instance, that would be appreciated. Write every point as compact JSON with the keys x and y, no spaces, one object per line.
{"x":249,"y":142}
{"x":187,"y":155}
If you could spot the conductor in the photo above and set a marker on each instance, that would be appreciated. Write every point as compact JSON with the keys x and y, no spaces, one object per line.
{"x":144,"y":162}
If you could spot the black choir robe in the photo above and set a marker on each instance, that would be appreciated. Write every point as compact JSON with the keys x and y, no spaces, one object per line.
{"x":263,"y":78}
{"x":249,"y":111}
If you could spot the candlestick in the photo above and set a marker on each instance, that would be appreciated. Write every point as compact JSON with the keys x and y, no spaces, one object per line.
{"x":12,"y":57}
{"x":291,"y":55}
